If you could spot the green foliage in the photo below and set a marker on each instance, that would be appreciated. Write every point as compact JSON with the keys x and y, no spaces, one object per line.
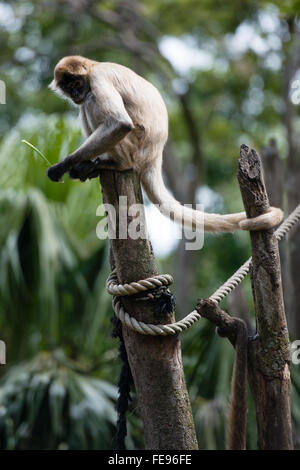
{"x":52,"y":295}
{"x":46,"y":404}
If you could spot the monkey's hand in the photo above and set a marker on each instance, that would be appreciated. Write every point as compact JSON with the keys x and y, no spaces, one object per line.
{"x":56,"y":172}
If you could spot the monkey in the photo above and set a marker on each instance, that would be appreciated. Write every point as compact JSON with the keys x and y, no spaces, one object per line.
{"x":125,"y":122}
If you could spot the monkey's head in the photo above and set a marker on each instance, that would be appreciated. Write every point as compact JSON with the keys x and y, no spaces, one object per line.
{"x":71,"y":78}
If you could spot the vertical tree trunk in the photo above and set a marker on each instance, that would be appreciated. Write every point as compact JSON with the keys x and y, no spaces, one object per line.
{"x":293,"y":193}
{"x":269,"y":371}
{"x":274,"y":176}
{"x":155,"y":362}
{"x":291,"y":65}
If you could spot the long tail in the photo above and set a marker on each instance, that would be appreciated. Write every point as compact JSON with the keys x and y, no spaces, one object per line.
{"x":158,"y":194}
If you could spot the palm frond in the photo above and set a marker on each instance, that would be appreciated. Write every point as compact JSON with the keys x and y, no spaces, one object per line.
{"x":44,"y":404}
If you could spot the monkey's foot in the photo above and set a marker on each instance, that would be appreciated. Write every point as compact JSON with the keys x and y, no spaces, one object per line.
{"x":85,"y":170}
{"x":56,"y":172}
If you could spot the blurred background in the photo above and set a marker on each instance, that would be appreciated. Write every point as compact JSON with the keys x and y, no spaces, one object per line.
{"x":226,"y":72}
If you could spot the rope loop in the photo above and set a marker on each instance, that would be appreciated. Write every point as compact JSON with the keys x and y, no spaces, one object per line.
{"x":117,"y":290}
{"x":114,"y":288}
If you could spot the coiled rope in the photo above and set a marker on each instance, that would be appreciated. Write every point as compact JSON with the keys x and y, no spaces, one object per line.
{"x":117,"y":290}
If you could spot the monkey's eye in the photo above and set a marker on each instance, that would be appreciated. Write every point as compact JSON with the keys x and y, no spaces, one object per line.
{"x":78,"y":84}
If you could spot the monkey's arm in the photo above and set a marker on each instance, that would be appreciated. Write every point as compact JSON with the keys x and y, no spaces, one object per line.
{"x":115,"y":126}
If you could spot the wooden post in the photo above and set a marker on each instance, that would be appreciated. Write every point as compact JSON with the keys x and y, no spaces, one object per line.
{"x":269,"y":353}
{"x":155,"y":362}
{"x":274,"y":176}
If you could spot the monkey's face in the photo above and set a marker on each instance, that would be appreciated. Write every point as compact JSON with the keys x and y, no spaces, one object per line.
{"x":75,"y":86}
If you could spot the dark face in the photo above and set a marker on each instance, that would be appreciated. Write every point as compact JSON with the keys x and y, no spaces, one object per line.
{"x":76,"y":86}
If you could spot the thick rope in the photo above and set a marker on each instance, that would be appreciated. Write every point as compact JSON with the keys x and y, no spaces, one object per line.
{"x":242,"y":272}
{"x":113,"y":288}
{"x":118,"y":290}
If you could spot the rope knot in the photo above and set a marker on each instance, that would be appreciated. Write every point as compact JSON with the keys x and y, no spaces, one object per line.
{"x":155,"y":287}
